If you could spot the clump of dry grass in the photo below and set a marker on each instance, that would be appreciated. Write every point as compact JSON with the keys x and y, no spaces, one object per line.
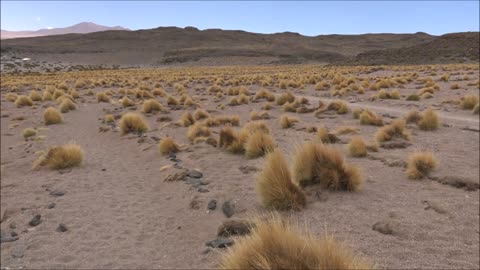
{"x":167,"y":146}
{"x":47,"y":96}
{"x":151,"y":105}
{"x":35,"y":96}
{"x":258,"y":144}
{"x":325,"y":136}
{"x":11,"y":97}
{"x":274,"y":185}
{"x":103,"y":97}
{"x":277,"y":244}
{"x":67,"y":105}
{"x":29,"y":132}
{"x":200,"y":114}
{"x":475,"y":109}
{"x":133,"y":122}
{"x":172,"y":101}
{"x":287,"y":122}
{"x":61,"y":157}
{"x":197,"y":130}
{"x":368,"y":117}
{"x":357,"y":147}
{"x":429,"y":120}
{"x":420,"y":164}
{"x":413,"y":116}
{"x":321,"y":164}
{"x":52,"y":116}
{"x":339,"y":106}
{"x":254,"y":115}
{"x":396,"y":129}
{"x":266,"y":106}
{"x":23,"y":101}
{"x":186,"y":120}
{"x":468,"y":102}
{"x":109,"y":118}
{"x":413,"y":97}
{"x":284,"y":98}
{"x":342,"y":130}
{"x":126,"y":102}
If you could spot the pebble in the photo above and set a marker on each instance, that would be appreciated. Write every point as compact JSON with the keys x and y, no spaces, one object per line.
{"x":51,"y":205}
{"x":62,"y":228}
{"x":228,"y":209}
{"x":195,"y":173}
{"x":202,"y":190}
{"x":212,"y":204}
{"x":219,"y":243}
{"x":57,"y":193}
{"x":35,"y":220}
{"x":4,"y":238}
{"x":383,"y":227}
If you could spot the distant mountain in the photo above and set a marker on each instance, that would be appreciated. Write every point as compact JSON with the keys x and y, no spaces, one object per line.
{"x":80,"y":28}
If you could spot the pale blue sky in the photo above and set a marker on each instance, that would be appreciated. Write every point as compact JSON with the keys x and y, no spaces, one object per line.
{"x":308,"y":18}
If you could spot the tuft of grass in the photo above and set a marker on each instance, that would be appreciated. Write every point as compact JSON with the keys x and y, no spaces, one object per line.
{"x":396,"y":129}
{"x":29,"y":132}
{"x":325,"y":136}
{"x":23,"y":101}
{"x":287,"y":122}
{"x":468,"y":102}
{"x":274,"y":185}
{"x":357,"y":147}
{"x":475,"y":109}
{"x":420,"y":164}
{"x":342,"y":130}
{"x":413,"y":116}
{"x":11,"y":97}
{"x":35,"y":96}
{"x":167,"y":146}
{"x":61,"y":157}
{"x":275,"y":243}
{"x":186,"y":120}
{"x":52,"y":116}
{"x":109,"y":118}
{"x":315,"y":163}
{"x":413,"y":97}
{"x":47,"y":96}
{"x":429,"y":120}
{"x":103,"y":97}
{"x":197,"y":130}
{"x":126,"y":102}
{"x":368,"y":117}
{"x":172,"y":101}
{"x":200,"y":114}
{"x":339,"y":106}
{"x":67,"y":105}
{"x":151,"y":105}
{"x":258,"y":144}
{"x":133,"y":122}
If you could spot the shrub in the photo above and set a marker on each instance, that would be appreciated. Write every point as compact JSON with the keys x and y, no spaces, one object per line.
{"x":11,"y":97}
{"x":420,"y":164}
{"x":197,"y":130}
{"x":339,"y":106}
{"x":274,"y":185}
{"x":109,"y":118}
{"x":133,"y":122}
{"x":287,"y":122}
{"x":47,"y":96}
{"x":429,"y":120}
{"x":277,"y":244}
{"x":232,"y":141}
{"x":151,"y":105}
{"x":468,"y":102}
{"x":413,"y":116}
{"x":395,"y":94}
{"x":368,"y":117}
{"x":258,"y":144}
{"x":396,"y":129}
{"x":67,"y":105}
{"x":254,"y":115}
{"x":413,"y":97}
{"x":200,"y":114}
{"x":168,"y":146}
{"x":186,"y":120}
{"x":320,"y":164}
{"x":29,"y":132}
{"x":23,"y":101}
{"x":172,"y":101}
{"x":325,"y":136}
{"x":61,"y":157}
{"x":357,"y":148}
{"x":284,"y":98}
{"x":126,"y":102}
{"x":341,"y":130}
{"x":35,"y":96}
{"x":52,"y":116}
{"x":103,"y":97}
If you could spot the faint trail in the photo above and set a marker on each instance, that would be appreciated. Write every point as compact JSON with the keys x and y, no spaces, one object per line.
{"x":399,"y":111}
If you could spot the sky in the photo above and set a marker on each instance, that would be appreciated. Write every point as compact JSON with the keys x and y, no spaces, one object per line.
{"x":308,"y":18}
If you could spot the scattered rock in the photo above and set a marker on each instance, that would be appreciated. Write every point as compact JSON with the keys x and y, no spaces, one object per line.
{"x":203,"y":190}
{"x":219,"y":243}
{"x":247,"y":169}
{"x":228,"y":209}
{"x":164,"y":119}
{"x":196,"y":182}
{"x":179,"y":175}
{"x":35,"y":220}
{"x":470,"y":129}
{"x":13,"y":234}
{"x":57,"y":193}
{"x":195,"y":203}
{"x":383,"y":227}
{"x":62,"y":228}
{"x":195,"y":173}
{"x":212,"y":204}
{"x":5,"y":238}
{"x":458,"y":182}
{"x":206,"y":251}
{"x":395,"y":144}
{"x":233,"y":227}
{"x":51,"y":205}
{"x":64,"y":171}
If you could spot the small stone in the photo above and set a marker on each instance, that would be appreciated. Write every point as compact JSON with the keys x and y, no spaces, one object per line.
{"x":212,"y":204}
{"x":219,"y":243}
{"x":247,"y":169}
{"x":202,"y":190}
{"x":4,"y":238}
{"x":64,"y":171}
{"x":383,"y":227}
{"x":57,"y":193}
{"x":13,"y":234}
{"x":104,"y":169}
{"x":207,"y":250}
{"x":233,"y":227}
{"x":228,"y":209}
{"x":51,"y":205}
{"x":195,"y":173}
{"x":62,"y":228}
{"x":35,"y":220}
{"x":395,"y":144}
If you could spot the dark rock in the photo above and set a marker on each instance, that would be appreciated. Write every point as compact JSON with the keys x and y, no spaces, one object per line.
{"x":62,"y":228}
{"x":203,"y":190}
{"x":219,"y":243}
{"x":57,"y":193}
{"x":5,"y":238}
{"x":195,"y":173}
{"x":212,"y":204}
{"x":228,"y":209}
{"x":13,"y":234}
{"x":397,"y":163}
{"x":233,"y":227}
{"x":383,"y":227}
{"x":51,"y":205}
{"x":196,"y":182}
{"x":247,"y":169}
{"x":103,"y":169}
{"x":35,"y":220}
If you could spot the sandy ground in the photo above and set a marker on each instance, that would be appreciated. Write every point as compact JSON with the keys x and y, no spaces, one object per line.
{"x":121,"y":214}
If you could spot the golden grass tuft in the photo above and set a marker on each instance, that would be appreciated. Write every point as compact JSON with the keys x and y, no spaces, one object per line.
{"x":186,"y":120}
{"x":11,"y":97}
{"x":172,"y":101}
{"x":413,"y":116}
{"x":321,"y":164}
{"x":468,"y":102}
{"x":52,"y":116}
{"x":126,"y":102}
{"x":109,"y":118}
{"x":357,"y":147}
{"x":103,"y":97}
{"x":151,"y":105}
{"x":47,"y":96}
{"x":200,"y":114}
{"x":339,"y":106}
{"x":274,"y":185}
{"x":429,"y":120}
{"x":342,"y":130}
{"x":29,"y":132}
{"x":258,"y":144}
{"x":278,"y":244}
{"x":167,"y":146}
{"x":61,"y":157}
{"x":420,"y":164}
{"x":396,"y":129}
{"x":67,"y":105}
{"x":287,"y":122}
{"x":35,"y":96}
{"x":23,"y":101}
{"x":368,"y":117}
{"x":197,"y":130}
{"x":325,"y":136}
{"x":133,"y":122}
{"x":475,"y":109}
